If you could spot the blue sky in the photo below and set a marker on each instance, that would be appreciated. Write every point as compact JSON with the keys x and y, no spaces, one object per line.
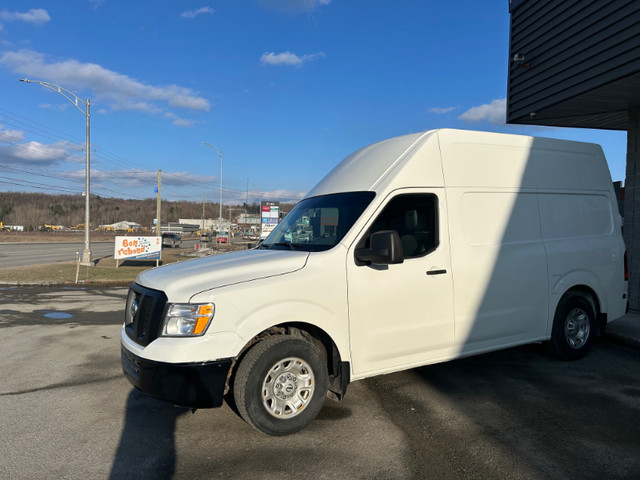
{"x":284,"y":88}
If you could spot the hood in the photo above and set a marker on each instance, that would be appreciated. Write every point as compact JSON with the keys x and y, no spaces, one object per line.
{"x":181,"y":281}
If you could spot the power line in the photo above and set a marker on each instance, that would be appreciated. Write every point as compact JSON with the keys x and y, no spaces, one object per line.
{"x":180,"y":185}
{"x":37,"y":185}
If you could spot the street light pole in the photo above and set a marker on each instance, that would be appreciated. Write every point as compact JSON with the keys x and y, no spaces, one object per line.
{"x":75,"y":100}
{"x":220,"y":153}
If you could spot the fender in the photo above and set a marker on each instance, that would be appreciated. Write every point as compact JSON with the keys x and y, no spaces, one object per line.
{"x":561,"y":284}
{"x":315,"y":296}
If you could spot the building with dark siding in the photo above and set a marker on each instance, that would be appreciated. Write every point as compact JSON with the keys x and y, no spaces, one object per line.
{"x":576,"y":63}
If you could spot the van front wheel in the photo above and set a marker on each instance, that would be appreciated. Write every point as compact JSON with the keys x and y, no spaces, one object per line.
{"x":574,"y":327}
{"x":280,"y":385}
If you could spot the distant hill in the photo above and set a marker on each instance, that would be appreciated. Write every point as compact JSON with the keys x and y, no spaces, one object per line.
{"x":33,"y":210}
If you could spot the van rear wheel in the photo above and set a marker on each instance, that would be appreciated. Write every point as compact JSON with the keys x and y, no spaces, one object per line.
{"x":280,"y":385}
{"x":574,"y":327}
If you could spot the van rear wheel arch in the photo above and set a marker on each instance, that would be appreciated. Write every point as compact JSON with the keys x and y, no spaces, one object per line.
{"x":592,"y":297}
{"x":575,"y":325}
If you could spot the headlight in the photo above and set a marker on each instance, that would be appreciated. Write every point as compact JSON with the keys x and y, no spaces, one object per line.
{"x":186,"y":319}
{"x":133,"y":302}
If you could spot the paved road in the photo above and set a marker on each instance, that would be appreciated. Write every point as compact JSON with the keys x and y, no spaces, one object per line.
{"x":67,"y":412}
{"x":26,"y":254}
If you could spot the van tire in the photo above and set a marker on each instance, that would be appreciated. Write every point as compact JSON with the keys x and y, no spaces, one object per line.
{"x":574,"y":327}
{"x":280,"y":385}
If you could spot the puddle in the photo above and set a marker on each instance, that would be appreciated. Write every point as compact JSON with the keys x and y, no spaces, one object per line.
{"x":58,"y":315}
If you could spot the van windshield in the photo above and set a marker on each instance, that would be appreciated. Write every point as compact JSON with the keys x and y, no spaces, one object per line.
{"x":318,"y":223}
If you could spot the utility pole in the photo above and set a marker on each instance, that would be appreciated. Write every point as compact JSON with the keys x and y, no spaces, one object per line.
{"x":202,"y":228}
{"x":219,"y":153}
{"x":158,"y":229}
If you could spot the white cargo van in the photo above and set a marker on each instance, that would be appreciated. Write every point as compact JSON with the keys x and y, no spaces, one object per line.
{"x":412,"y":251}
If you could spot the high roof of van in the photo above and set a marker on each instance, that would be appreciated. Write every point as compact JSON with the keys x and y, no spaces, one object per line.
{"x":461,"y":158}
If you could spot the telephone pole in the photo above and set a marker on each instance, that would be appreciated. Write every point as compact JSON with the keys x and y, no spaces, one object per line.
{"x":158,"y":229}
{"x":219,"y":153}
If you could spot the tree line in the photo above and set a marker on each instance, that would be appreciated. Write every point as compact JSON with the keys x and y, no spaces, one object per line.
{"x":34,"y":210}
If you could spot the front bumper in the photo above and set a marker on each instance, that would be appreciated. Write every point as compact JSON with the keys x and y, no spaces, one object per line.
{"x":193,"y":385}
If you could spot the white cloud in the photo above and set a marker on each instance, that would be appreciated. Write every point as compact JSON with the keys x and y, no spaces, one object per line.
{"x":186,"y":179}
{"x":10,"y":136}
{"x":55,"y":106}
{"x":96,"y":3}
{"x":37,"y":16}
{"x":284,"y":195}
{"x":494,"y":112}
{"x":441,"y":111}
{"x":177,"y":121}
{"x":36,"y":153}
{"x":127,"y":105}
{"x":293,"y":7}
{"x":195,"y":13}
{"x":139,"y":178}
{"x":287,"y":58}
{"x":117,"y":91}
{"x":125,"y":178}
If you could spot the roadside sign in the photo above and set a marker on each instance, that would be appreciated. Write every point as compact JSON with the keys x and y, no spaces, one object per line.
{"x":270,"y":216}
{"x":138,"y":248}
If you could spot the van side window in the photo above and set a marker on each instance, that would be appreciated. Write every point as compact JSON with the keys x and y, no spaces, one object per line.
{"x":415,"y":217}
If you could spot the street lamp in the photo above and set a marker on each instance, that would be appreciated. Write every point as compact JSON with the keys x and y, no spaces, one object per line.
{"x":73,"y":98}
{"x":220,"y":153}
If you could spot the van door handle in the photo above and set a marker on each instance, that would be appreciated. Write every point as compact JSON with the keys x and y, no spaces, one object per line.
{"x":436,"y":272}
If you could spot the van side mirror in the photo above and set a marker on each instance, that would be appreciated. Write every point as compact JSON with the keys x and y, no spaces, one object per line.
{"x":385,"y":249}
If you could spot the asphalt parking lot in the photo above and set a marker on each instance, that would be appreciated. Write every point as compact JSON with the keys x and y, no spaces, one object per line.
{"x":67,"y":412}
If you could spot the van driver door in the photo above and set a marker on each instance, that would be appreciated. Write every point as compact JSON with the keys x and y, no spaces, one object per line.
{"x":402,"y":315}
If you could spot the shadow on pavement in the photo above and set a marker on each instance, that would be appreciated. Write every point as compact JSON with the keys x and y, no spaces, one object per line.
{"x":147,"y":445}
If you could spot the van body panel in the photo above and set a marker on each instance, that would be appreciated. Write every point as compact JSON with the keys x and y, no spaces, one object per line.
{"x":499,"y":267}
{"x":349,"y":174}
{"x":419,"y":167}
{"x":582,"y":237}
{"x":181,"y":281}
{"x":583,"y":165}
{"x":486,"y":161}
{"x":406,"y":161}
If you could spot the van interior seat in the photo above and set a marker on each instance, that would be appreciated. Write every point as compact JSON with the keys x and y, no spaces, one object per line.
{"x":412,"y":241}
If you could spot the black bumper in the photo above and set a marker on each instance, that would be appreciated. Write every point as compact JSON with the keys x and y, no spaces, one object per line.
{"x":193,"y":385}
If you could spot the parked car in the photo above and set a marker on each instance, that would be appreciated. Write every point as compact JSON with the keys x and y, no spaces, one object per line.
{"x":205,"y":238}
{"x":222,"y":236}
{"x":171,"y":240}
